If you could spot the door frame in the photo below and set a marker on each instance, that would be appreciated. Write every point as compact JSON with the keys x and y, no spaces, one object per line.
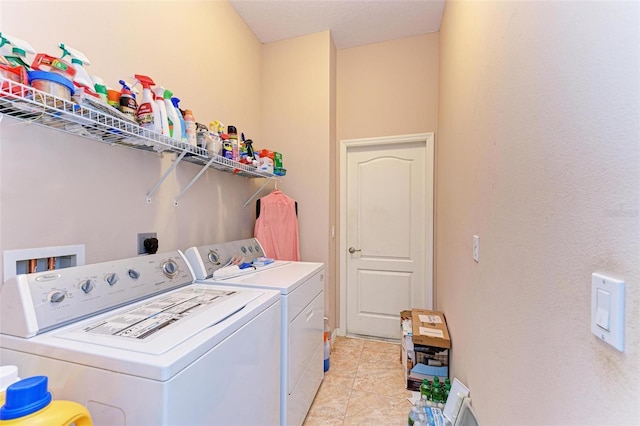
{"x":428,"y":140}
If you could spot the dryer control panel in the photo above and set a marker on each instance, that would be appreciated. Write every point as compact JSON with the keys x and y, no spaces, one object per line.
{"x":34,"y":303}
{"x":205,"y":260}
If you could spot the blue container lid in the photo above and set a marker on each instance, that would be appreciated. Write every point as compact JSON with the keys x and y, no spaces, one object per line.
{"x":25,"y":397}
{"x":51,"y":76}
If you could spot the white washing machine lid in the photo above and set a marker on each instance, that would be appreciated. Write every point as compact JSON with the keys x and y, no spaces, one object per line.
{"x":159,"y":324}
{"x":285,"y":278}
{"x":170,"y":349}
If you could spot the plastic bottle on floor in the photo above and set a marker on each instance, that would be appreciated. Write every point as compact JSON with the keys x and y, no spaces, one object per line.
{"x":327,"y":344}
{"x":413,"y":415}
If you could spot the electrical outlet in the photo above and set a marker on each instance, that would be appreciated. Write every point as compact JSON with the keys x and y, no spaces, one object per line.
{"x":476,"y":248}
{"x":141,"y":238}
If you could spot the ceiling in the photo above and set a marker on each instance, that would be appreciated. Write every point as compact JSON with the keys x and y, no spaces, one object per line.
{"x":352,"y":22}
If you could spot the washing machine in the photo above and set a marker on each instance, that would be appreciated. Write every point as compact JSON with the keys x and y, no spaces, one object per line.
{"x":138,"y":343}
{"x":301,"y":286}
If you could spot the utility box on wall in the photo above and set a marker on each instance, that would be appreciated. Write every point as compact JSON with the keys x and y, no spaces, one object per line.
{"x":41,"y":259}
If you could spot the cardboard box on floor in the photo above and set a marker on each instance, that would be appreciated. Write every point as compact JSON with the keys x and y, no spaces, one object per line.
{"x":430,"y":334}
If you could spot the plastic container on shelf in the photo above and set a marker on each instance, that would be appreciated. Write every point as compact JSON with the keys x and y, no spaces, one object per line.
{"x":190,"y":126}
{"x":29,"y":403}
{"x":51,"y":83}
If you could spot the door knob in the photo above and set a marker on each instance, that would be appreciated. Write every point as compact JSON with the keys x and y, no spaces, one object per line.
{"x":353,"y":250}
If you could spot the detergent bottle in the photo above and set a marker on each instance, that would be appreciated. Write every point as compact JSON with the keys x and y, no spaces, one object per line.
{"x":15,"y":50}
{"x":29,"y":402}
{"x":148,"y":115}
{"x":78,"y":60}
{"x":183,"y":128}
{"x":127,"y":103}
{"x":175,"y":126}
{"x":158,"y":97}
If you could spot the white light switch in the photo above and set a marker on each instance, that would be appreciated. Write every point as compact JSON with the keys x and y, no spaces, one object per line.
{"x":603,"y":308}
{"x":476,"y":248}
{"x":607,"y":310}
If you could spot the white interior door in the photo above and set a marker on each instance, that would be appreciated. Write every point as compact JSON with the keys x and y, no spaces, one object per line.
{"x":389,"y":232}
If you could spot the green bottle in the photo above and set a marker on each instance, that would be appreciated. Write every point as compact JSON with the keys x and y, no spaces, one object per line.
{"x":437,"y":392}
{"x":447,"y":389}
{"x":425,"y":389}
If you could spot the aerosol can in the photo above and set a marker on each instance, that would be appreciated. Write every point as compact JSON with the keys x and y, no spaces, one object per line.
{"x":148,"y":115}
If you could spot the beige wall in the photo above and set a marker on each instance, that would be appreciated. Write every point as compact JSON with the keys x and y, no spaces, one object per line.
{"x":385,"y":89}
{"x":388,"y":88}
{"x":538,"y":155}
{"x":59,"y":189}
{"x":297,"y":118}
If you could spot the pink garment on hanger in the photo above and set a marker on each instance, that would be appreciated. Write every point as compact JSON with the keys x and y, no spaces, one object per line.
{"x":277,"y":227}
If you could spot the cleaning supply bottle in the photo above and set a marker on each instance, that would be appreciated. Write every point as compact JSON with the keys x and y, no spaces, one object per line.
{"x":100,"y":88}
{"x":158,"y":97}
{"x":148,"y":115}
{"x":233,"y":138}
{"x":15,"y":50}
{"x":127,"y":103}
{"x":327,"y":344}
{"x":183,"y":128}
{"x":29,"y":403}
{"x":78,"y":60}
{"x":175,"y":124}
{"x":190,"y":125}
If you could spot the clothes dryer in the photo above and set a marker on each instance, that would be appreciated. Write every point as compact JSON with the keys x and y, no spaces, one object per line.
{"x":301,"y":286}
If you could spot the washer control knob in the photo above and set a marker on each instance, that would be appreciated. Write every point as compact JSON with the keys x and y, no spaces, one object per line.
{"x":170,"y":268}
{"x":87,"y":286}
{"x":57,"y":296}
{"x":251,"y":249}
{"x":257,"y":249}
{"x":243,"y":249}
{"x":213,"y":257}
{"x":111,"y":278}
{"x":133,"y":274}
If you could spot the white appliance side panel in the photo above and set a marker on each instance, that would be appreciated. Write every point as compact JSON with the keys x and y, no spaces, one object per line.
{"x":299,"y":401}
{"x":305,"y":293}
{"x":305,"y":336}
{"x":213,"y":390}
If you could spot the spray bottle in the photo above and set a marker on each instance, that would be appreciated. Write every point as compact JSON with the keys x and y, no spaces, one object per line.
{"x":183,"y":128}
{"x":158,"y":97}
{"x":15,"y":50}
{"x":175,"y":124}
{"x":148,"y":115}
{"x":78,"y":59}
{"x":127,"y":104}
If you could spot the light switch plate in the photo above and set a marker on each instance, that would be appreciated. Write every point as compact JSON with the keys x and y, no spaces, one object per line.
{"x":476,"y":248}
{"x":607,"y":310}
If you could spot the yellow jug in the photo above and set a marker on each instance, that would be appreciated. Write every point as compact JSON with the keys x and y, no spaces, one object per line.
{"x":28,"y":402}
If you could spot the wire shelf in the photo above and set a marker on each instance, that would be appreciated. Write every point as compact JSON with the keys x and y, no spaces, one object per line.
{"x":95,"y":121}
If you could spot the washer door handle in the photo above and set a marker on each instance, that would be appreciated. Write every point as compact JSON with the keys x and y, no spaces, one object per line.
{"x":309,"y":314}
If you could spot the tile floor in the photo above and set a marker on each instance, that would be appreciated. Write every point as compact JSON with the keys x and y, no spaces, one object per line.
{"x":364,"y":385}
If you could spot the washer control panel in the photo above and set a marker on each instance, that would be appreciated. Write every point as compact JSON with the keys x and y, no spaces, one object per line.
{"x":205,"y":260}
{"x":33,"y":303}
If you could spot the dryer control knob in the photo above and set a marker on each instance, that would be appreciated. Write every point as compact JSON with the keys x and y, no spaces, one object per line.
{"x":170,"y":268}
{"x":57,"y":296}
{"x":213,"y":257}
{"x":112,"y":278}
{"x":133,"y":274}
{"x":87,"y":286}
